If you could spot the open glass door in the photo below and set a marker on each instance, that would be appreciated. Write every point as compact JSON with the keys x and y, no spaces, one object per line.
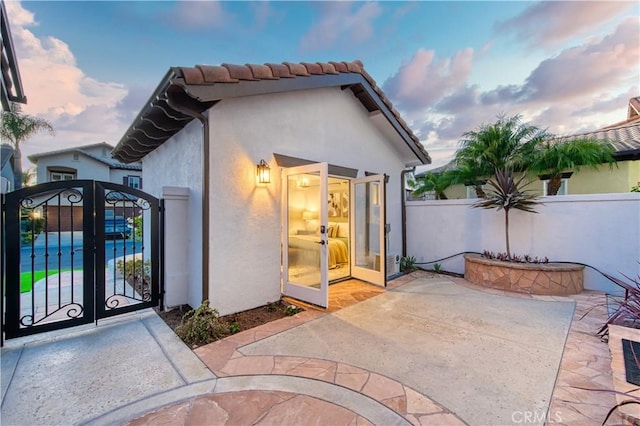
{"x":304,"y":230}
{"x":368,"y":252}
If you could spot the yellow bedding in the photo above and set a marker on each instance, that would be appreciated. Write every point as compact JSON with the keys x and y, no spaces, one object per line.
{"x":338,"y":251}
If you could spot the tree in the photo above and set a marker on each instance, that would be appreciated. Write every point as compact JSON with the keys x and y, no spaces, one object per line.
{"x":433,"y":182}
{"x":554,"y":157}
{"x":17,"y":128}
{"x":506,"y":144}
{"x":28,"y":177}
{"x":506,"y":195}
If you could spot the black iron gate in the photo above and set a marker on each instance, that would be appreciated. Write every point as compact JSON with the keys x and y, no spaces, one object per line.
{"x":78,"y":251}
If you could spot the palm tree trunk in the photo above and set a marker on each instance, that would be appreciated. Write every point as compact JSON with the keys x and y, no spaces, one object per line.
{"x":17,"y":168}
{"x":506,"y":233}
{"x":554,"y":185}
{"x":480,"y":192}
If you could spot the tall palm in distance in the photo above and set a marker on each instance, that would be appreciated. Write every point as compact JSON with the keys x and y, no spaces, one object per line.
{"x":554,"y":157}
{"x":509,"y":143}
{"x":17,"y":128}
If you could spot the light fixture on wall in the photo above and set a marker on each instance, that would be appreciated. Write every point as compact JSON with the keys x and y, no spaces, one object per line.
{"x":303,"y":182}
{"x":263,"y":172}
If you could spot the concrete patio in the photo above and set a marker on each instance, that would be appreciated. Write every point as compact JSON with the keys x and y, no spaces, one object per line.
{"x":429,"y":350}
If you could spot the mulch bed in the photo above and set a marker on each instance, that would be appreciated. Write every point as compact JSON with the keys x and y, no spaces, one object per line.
{"x":245,"y":320}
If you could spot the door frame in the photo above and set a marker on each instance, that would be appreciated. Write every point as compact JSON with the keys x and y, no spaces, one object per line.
{"x":304,"y":293}
{"x":369,"y":274}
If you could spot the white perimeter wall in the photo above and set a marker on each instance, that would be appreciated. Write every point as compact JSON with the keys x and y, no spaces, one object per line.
{"x":325,"y":125}
{"x":178,"y":163}
{"x":601,"y":230}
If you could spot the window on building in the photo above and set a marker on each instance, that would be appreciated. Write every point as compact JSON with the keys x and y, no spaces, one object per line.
{"x":58,"y":176}
{"x":76,"y":157}
{"x":561,"y":191}
{"x":471,"y":190}
{"x":133,"y":181}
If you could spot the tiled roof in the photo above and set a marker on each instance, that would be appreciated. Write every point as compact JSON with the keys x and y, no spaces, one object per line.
{"x":111,"y":162}
{"x":624,"y":137}
{"x":225,"y":80}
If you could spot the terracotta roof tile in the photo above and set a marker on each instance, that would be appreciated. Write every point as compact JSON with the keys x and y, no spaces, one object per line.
{"x":313,"y":68}
{"x":280,"y":70}
{"x":297,"y":69}
{"x":230,"y":73}
{"x":262,"y":72}
{"x":241,"y":72}
{"x":214,"y":74}
{"x":193,"y":76}
{"x":340,"y":66}
{"x":327,"y":68}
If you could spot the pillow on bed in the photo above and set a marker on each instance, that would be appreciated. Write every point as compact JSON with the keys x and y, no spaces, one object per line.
{"x":343,"y":230}
{"x":333,"y":231}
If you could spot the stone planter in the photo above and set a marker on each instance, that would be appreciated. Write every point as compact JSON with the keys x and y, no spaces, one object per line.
{"x":552,"y":279}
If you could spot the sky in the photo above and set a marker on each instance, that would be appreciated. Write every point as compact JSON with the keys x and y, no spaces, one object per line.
{"x":447,"y":66}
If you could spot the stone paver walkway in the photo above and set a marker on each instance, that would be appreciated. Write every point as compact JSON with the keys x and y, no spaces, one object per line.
{"x":267,"y":388}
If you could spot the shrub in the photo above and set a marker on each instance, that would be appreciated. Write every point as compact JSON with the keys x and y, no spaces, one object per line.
{"x":408,"y":264}
{"x":202,"y":325}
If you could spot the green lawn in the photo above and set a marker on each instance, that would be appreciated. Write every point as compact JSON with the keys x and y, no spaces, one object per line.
{"x":25,"y":278}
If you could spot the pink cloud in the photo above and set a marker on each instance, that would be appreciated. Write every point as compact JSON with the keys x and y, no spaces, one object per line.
{"x":422,"y":81}
{"x":338,"y":22}
{"x":83,"y":109}
{"x":548,"y":23}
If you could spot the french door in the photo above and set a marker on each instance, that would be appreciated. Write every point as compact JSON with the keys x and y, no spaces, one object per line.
{"x":304,"y":233}
{"x":368,"y":252}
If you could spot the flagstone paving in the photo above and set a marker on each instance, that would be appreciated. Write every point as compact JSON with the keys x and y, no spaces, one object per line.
{"x":257,"y":399}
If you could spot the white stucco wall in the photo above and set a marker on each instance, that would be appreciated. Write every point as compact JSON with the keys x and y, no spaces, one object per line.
{"x":325,"y":125}
{"x":601,"y":230}
{"x":178,"y":163}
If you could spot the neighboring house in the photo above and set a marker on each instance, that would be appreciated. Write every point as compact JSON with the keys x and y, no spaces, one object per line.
{"x":93,"y":162}
{"x":625,"y":139}
{"x":6,"y":175}
{"x":10,"y":84}
{"x":86,"y":162}
{"x":336,"y":151}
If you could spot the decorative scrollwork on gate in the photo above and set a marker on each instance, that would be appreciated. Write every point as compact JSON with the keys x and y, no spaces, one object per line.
{"x":71,"y":310}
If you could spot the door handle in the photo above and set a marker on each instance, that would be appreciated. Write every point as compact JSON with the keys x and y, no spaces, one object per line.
{"x":321,"y":242}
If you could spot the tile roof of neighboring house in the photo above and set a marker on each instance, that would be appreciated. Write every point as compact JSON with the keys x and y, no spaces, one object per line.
{"x":6,"y":153}
{"x":111,"y":162}
{"x":202,"y":86}
{"x":624,"y":137}
{"x":10,"y":84}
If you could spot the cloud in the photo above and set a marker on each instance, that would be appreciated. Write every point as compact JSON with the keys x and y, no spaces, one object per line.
{"x":198,"y":15}
{"x":588,"y":68}
{"x":548,"y":23}
{"x":422,"y":81}
{"x":83,"y":109}
{"x":339,"y":25}
{"x":582,"y":88}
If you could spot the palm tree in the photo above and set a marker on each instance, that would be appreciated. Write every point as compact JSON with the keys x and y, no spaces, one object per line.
{"x":506,"y":144}
{"x":506,"y":195}
{"x":28,"y":177}
{"x":17,"y":128}
{"x":436,"y":182}
{"x":554,"y":157}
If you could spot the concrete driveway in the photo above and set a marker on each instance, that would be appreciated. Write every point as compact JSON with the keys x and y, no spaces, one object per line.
{"x":426,"y":352}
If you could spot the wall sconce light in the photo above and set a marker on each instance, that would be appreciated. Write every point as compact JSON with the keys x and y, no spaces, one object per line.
{"x":263,"y":172}
{"x":309,"y":215}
